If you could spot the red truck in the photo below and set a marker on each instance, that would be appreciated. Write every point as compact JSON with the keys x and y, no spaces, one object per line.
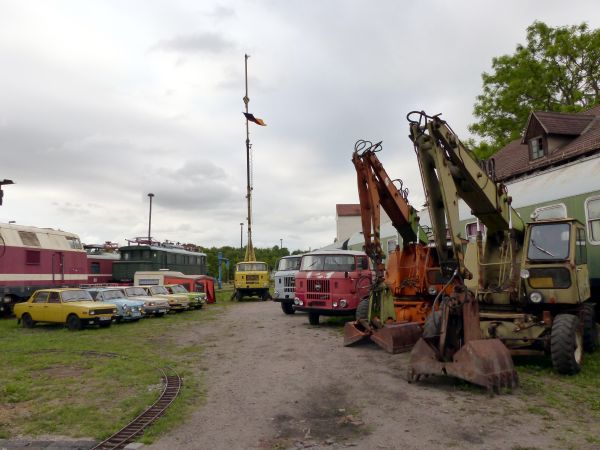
{"x":332,"y":283}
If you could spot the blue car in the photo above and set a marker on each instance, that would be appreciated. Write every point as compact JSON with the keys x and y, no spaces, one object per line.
{"x":127,"y":309}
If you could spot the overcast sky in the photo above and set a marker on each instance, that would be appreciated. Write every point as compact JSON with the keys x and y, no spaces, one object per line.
{"x":102,"y":102}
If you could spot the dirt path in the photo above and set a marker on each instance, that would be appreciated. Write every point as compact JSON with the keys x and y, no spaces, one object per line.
{"x":275,"y":382}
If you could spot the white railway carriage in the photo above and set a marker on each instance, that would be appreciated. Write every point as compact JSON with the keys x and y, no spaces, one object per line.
{"x":36,"y":258}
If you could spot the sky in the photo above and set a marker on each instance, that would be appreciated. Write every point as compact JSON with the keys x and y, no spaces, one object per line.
{"x":103,"y":102}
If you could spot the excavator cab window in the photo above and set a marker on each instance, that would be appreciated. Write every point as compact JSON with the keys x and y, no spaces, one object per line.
{"x":549,"y":242}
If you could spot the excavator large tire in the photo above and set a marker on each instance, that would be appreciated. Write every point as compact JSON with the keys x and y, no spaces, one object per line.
{"x":362,"y":310}
{"x":566,"y":344}
{"x":587,"y":315}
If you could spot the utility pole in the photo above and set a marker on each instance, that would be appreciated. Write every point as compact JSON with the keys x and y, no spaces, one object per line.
{"x":241,"y":242}
{"x":150,"y":195}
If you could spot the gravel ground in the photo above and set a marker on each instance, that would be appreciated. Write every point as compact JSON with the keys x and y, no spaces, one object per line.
{"x":275,"y":382}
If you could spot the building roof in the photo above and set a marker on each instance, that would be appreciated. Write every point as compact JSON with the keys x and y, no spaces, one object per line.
{"x":580,"y":131}
{"x":345,"y":209}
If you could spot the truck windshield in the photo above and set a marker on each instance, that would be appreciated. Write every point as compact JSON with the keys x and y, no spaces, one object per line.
{"x":549,"y":242}
{"x":252,"y":267}
{"x":333,"y":263}
{"x":289,"y":263}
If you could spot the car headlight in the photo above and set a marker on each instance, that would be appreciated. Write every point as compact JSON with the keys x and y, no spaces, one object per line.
{"x":524,"y":273}
{"x":343,"y":303}
{"x":536,"y":297}
{"x":432,"y":290}
{"x":151,"y":304}
{"x":114,"y":311}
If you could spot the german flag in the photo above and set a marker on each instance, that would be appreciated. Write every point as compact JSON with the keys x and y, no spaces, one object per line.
{"x":251,"y":118}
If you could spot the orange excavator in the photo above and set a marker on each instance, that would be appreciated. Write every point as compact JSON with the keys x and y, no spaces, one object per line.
{"x":402,"y":296}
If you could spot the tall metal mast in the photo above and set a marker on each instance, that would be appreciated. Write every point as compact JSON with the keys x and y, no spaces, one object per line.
{"x":249,"y":248}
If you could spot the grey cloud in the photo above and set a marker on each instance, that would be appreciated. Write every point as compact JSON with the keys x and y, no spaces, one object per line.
{"x":200,"y":42}
{"x":221,"y":12}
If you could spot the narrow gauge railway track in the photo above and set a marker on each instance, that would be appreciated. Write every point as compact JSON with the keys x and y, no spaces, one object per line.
{"x":171,"y":388}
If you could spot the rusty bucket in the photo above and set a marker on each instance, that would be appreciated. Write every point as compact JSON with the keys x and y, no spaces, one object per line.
{"x":485,"y":362}
{"x":397,"y":337}
{"x":355,"y":332}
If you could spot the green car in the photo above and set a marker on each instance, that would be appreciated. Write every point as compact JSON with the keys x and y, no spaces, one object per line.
{"x":197,"y":299}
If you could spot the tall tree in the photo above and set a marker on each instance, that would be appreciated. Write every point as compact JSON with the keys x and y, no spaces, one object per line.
{"x":557,"y":70}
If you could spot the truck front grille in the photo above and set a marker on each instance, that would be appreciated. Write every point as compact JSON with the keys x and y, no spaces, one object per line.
{"x":289,"y":284}
{"x":318,"y":286}
{"x":252,"y":278}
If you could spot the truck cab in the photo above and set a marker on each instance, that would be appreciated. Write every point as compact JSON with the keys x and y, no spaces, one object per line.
{"x":251,"y":279}
{"x":285,"y":275}
{"x":332,"y":283}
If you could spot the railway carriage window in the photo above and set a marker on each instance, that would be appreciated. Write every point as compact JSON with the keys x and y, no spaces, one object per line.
{"x":592,"y":207}
{"x":32,"y":257}
{"x":171,"y":258}
{"x":580,"y":249}
{"x":145,"y":254}
{"x":30,"y":239}
{"x":95,"y":267}
{"x":40,"y":297}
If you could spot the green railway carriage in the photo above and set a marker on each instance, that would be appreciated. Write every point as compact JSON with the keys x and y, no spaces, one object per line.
{"x":570,"y":190}
{"x":144,"y":257}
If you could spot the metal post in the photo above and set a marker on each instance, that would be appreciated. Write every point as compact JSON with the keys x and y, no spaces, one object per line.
{"x":280,"y":244}
{"x":150,"y":195}
{"x":241,"y":242}
{"x":249,"y":249}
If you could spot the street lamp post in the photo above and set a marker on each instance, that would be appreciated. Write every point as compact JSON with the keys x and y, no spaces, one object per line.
{"x":150,"y":195}
{"x":241,"y":234}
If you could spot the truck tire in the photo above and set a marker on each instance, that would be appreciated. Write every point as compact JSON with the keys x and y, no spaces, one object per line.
{"x":73,"y":322}
{"x":587,"y":315}
{"x":566,"y":344}
{"x":238,"y":296}
{"x":362,"y":310}
{"x":287,"y":308}
{"x":313,"y":318}
{"x":265,"y":296}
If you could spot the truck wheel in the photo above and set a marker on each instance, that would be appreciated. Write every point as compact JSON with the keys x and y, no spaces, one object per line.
{"x":287,"y":308}
{"x":587,"y":315}
{"x":566,"y":344}
{"x":238,"y":296}
{"x":362,"y":310}
{"x":27,"y":321}
{"x":73,"y":322}
{"x":265,"y":296}
{"x":313,"y":318}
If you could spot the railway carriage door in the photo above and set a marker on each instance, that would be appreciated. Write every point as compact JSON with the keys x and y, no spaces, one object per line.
{"x":58,"y":268}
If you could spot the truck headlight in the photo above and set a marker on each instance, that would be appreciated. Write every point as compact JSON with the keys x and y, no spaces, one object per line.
{"x":536,"y":297}
{"x":524,"y":273}
{"x":343,"y":303}
{"x":335,"y":304}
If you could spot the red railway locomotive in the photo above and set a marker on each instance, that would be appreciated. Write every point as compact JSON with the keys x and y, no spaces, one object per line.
{"x":36,"y":258}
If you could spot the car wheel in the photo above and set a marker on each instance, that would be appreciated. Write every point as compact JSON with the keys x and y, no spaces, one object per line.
{"x":313,"y":318}
{"x":566,"y":344}
{"x":27,"y":321}
{"x":73,"y":322}
{"x":287,"y":308}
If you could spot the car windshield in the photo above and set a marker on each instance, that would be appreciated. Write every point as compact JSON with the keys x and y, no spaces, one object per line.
{"x":334,"y":263}
{"x":252,"y":267}
{"x":178,"y":289}
{"x":289,"y":263}
{"x":135,"y":292}
{"x":109,"y":295}
{"x":76,"y":296}
{"x":158,"y":290}
{"x":549,"y":242}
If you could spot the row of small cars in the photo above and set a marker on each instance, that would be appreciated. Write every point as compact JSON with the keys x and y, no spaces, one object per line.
{"x":79,"y":307}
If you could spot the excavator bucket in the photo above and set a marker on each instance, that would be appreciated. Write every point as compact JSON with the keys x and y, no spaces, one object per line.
{"x":485,"y":362}
{"x":398,"y":337}
{"x":355,"y":332}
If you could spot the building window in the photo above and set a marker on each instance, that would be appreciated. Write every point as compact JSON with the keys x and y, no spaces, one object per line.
{"x":592,"y":212}
{"x":536,"y":146}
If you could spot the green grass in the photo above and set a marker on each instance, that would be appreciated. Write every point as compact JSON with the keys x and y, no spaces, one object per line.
{"x":54,"y":381}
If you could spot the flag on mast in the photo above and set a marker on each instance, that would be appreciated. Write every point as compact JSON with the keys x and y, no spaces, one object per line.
{"x":257,"y":121}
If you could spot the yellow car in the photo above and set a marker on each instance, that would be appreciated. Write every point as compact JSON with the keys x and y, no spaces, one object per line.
{"x":73,"y":307}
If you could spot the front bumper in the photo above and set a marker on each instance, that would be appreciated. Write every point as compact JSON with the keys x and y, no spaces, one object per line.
{"x":153,"y":310}
{"x":96,"y":320}
{"x":326,"y":311}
